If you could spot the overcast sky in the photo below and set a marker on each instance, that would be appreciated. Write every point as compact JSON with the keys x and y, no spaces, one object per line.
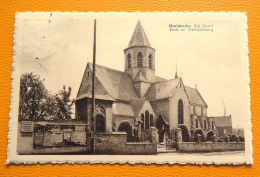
{"x":57,"y":47}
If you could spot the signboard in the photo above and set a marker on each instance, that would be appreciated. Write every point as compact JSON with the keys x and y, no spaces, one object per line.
{"x":48,"y":139}
{"x":58,"y":137}
{"x":79,"y":128}
{"x":66,"y":135}
{"x":38,"y":138}
{"x":79,"y":137}
{"x":27,"y":127}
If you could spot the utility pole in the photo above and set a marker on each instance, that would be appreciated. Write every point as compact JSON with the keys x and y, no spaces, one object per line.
{"x":224,"y":108}
{"x":93,"y":119}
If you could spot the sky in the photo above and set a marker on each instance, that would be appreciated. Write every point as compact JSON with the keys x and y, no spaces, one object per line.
{"x":58,"y":47}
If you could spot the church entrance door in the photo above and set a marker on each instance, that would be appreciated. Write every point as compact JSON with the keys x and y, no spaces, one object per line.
{"x":162,"y":127}
{"x":100,"y":124}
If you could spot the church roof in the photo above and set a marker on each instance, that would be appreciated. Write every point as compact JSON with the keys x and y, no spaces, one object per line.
{"x":162,"y":90}
{"x":97,"y":96}
{"x":222,"y":121}
{"x":137,"y":104}
{"x":139,"y":37}
{"x":194,"y":96}
{"x":159,"y":79}
{"x":165,"y":89}
{"x":122,"y":109}
{"x":117,"y":83}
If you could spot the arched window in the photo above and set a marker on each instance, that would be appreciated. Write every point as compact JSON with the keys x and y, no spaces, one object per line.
{"x":205,"y":124}
{"x":129,"y":61}
{"x":139,"y":60}
{"x":150,"y":61}
{"x":180,"y":112}
{"x":197,"y":123}
{"x":146,"y":123}
{"x":194,"y":110}
{"x":212,"y":124}
{"x":142,"y":119}
{"x":201,"y":111}
{"x":151,"y":120}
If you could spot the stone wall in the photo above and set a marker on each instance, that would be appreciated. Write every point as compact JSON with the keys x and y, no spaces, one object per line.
{"x":209,"y":146}
{"x":116,"y":143}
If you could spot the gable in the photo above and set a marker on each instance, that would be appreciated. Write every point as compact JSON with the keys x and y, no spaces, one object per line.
{"x":146,"y":107}
{"x":137,"y":104}
{"x":109,"y":83}
{"x":194,"y":96}
{"x":85,"y":89}
{"x":140,"y":77}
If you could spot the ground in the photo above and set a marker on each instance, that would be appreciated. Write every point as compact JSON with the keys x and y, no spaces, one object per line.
{"x":215,"y":154}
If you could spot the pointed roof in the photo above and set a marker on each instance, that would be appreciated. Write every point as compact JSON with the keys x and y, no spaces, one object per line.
{"x":176,"y":75}
{"x":140,"y":77}
{"x":112,"y":83}
{"x":139,"y":37}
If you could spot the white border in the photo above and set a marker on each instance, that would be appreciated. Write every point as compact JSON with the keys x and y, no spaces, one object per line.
{"x":13,"y":157}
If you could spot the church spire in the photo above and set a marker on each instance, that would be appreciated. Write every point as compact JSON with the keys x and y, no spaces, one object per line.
{"x":176,"y":73}
{"x":139,"y":37}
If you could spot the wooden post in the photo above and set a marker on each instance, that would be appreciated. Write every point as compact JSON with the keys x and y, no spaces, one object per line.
{"x":93,"y":119}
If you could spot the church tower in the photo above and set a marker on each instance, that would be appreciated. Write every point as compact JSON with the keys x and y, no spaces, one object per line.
{"x":140,"y":60}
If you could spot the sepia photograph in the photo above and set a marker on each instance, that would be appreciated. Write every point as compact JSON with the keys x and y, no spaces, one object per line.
{"x":130,"y":88}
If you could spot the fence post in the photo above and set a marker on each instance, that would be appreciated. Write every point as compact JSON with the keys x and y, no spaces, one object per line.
{"x":214,"y":138}
{"x":199,"y":139}
{"x":227,"y":138}
{"x":154,"y":135}
{"x":179,"y":135}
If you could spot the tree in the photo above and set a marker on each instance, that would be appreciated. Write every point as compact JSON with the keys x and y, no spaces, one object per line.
{"x":32,"y":97}
{"x":37,"y":103}
{"x":64,"y":103}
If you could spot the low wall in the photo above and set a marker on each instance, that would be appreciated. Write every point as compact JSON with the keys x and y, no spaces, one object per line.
{"x":28,"y":142}
{"x":116,"y":143}
{"x":210,"y":147}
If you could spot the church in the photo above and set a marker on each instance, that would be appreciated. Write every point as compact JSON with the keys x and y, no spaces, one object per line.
{"x":134,"y":100}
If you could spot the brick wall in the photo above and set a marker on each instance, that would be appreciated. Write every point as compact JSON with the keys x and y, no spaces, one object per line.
{"x":209,"y":147}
